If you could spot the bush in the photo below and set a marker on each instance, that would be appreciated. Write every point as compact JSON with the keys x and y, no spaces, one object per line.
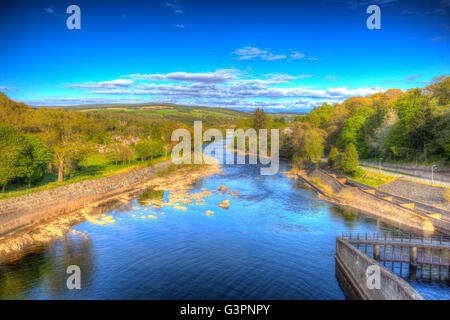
{"x":350,"y":159}
{"x":332,"y":157}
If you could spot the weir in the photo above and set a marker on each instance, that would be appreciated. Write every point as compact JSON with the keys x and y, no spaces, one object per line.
{"x":423,"y":256}
{"x":404,"y":254}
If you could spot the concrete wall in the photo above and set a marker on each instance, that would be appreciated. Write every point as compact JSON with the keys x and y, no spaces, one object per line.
{"x":373,"y":204}
{"x":19,"y":212}
{"x":351,"y":266}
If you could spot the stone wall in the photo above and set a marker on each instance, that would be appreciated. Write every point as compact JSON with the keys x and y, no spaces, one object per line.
{"x":351,"y":266}
{"x":18,"y":212}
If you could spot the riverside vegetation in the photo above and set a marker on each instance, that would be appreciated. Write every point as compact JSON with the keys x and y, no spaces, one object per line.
{"x":411,"y":126}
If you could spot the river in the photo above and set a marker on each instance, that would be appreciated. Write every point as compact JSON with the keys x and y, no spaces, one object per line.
{"x":276,"y":241}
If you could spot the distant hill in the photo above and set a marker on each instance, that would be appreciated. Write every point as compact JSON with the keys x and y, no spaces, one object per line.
{"x":167,"y":111}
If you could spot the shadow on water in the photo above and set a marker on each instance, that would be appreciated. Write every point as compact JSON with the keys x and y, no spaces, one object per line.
{"x":21,"y":280}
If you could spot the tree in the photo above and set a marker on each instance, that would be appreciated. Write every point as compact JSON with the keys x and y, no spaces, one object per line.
{"x":11,"y":145}
{"x":125,"y":153}
{"x":143,"y":149}
{"x":156,"y":148}
{"x":260,"y":120}
{"x":349,"y":161}
{"x":332,"y":157}
{"x":62,"y":132}
{"x":307,"y":142}
{"x":352,"y":128}
{"x":440,"y":89}
{"x":32,"y":160}
{"x":113,"y":152}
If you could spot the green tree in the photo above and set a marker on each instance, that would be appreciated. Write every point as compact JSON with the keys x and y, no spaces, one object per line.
{"x":113,"y":152}
{"x":307,"y":142}
{"x":11,"y":145}
{"x":260,"y":120}
{"x":332,"y":157}
{"x":126,"y":152}
{"x":349,"y":160}
{"x":146,"y":148}
{"x":156,"y":148}
{"x":64,"y":133}
{"x":143,"y":149}
{"x":352,"y":128}
{"x":32,"y":160}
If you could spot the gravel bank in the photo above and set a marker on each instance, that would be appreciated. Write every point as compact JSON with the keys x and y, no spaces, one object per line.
{"x":417,"y":191}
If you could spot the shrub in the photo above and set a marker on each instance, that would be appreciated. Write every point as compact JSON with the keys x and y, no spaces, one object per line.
{"x":332,"y":157}
{"x":350,"y":159}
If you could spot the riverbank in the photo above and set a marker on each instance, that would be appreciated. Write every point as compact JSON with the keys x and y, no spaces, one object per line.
{"x":50,"y":225}
{"x":333,"y":190}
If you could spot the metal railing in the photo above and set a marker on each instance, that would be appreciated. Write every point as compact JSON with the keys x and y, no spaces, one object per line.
{"x":397,"y":237}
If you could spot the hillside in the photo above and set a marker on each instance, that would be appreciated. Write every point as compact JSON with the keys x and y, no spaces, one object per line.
{"x":168,"y":111}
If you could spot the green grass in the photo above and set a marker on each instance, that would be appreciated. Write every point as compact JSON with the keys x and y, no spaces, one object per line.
{"x":374,"y":179}
{"x":93,"y":167}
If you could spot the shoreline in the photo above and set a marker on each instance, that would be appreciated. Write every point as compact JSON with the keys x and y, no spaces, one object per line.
{"x":370,"y":205}
{"x":32,"y":238}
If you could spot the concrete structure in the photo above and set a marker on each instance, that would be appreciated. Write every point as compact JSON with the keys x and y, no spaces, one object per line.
{"x":352,"y":266}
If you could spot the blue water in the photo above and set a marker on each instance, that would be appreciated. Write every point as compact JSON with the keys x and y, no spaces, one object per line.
{"x":276,"y":241}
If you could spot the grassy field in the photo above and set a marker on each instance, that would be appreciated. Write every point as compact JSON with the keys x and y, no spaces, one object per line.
{"x":94,"y":167}
{"x":374,"y":179}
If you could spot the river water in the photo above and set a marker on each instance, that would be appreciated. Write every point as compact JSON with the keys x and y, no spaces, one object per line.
{"x":276,"y":241}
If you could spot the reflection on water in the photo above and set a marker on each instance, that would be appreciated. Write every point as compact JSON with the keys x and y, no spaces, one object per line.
{"x":276,"y":241}
{"x":150,"y":194}
{"x":42,"y":274}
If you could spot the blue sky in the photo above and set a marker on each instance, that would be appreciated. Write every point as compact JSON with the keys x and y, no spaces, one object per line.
{"x":283,"y":55}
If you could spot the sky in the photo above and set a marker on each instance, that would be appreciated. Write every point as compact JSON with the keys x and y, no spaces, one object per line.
{"x":278,"y":55}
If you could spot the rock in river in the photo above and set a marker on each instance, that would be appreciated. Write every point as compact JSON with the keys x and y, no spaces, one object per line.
{"x":225,"y":204}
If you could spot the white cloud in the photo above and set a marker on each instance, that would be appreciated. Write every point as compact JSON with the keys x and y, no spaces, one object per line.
{"x":119,"y":83}
{"x":175,"y":6}
{"x":68,"y":101}
{"x":52,"y":12}
{"x":5,"y":88}
{"x":249,"y":53}
{"x":218,"y":76}
{"x":180,"y":26}
{"x":224,"y":87}
{"x":242,"y":88}
{"x":407,"y":79}
{"x":297,"y":55}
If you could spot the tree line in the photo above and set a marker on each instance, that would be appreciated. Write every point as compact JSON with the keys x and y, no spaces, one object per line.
{"x":38,"y":140}
{"x":392,"y":125}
